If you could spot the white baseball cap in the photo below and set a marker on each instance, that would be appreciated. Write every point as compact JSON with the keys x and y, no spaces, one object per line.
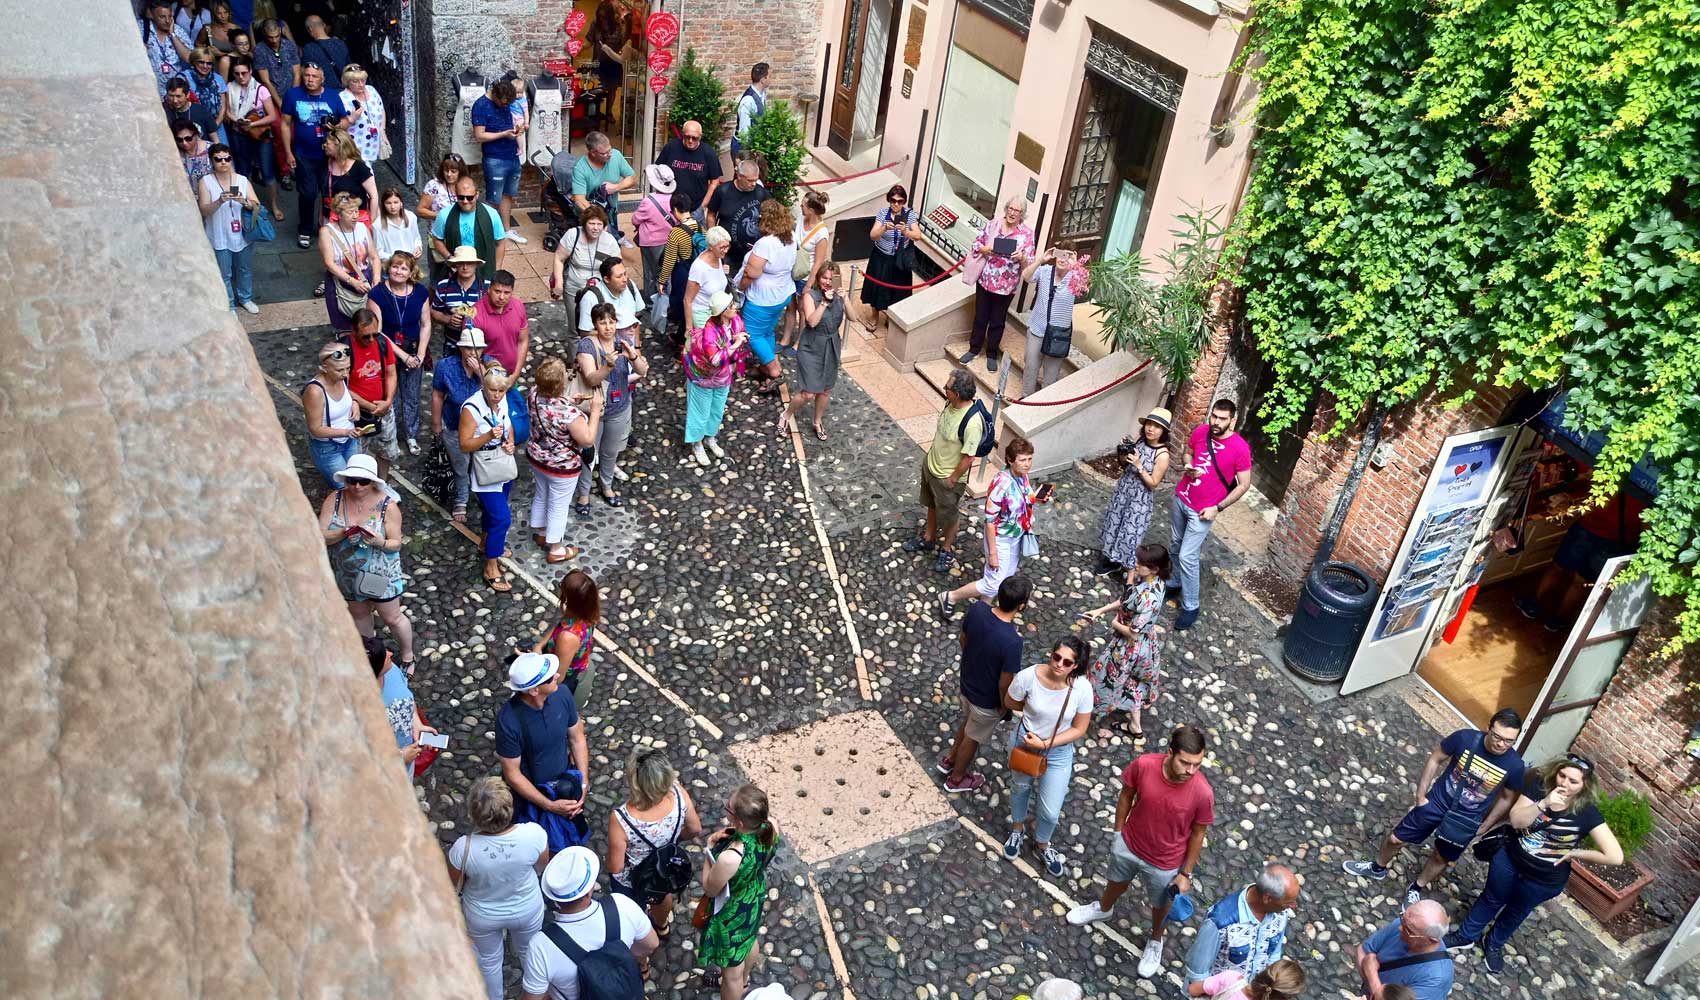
{"x":571,"y":874}
{"x":531,"y":669}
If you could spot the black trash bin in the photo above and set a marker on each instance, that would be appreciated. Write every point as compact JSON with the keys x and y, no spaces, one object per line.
{"x":1333,"y":610}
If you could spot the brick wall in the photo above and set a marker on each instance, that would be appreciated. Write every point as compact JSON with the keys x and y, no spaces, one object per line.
{"x":1386,"y":498}
{"x":1635,"y":736}
{"x":1192,"y":403}
{"x":493,"y":36}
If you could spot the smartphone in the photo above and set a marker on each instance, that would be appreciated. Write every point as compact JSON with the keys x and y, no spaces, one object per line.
{"x":235,"y":192}
{"x":1044,"y":492}
{"x":438,"y":740}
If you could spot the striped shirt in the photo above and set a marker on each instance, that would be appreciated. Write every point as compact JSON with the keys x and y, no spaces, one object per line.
{"x":888,"y":240}
{"x":678,"y":247}
{"x":1061,"y":300}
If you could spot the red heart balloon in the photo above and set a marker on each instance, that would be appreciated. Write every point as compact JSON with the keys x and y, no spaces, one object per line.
{"x":575,"y":22}
{"x":660,"y":59}
{"x":658,"y":83}
{"x":575,"y":46}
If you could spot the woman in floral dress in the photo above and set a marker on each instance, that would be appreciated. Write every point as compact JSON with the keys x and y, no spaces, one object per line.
{"x":1129,"y":512}
{"x":1124,"y":676}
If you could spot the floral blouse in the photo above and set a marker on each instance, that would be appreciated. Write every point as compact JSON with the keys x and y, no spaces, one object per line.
{"x":1002,"y":275}
{"x":1009,"y":505}
{"x":551,"y":446}
{"x":708,"y":361}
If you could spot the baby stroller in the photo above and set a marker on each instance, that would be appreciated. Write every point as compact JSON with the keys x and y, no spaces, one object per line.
{"x":556,"y":200}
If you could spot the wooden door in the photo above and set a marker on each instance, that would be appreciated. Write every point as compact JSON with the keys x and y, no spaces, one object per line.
{"x":849,"y":76}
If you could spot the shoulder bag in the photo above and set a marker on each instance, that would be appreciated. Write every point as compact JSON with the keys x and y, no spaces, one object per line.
{"x":373,"y":584}
{"x":1056,"y":339}
{"x":805,"y":261}
{"x":465,"y":867}
{"x":1023,"y":759}
{"x":1496,"y":839}
{"x":493,"y":466}
{"x":257,"y":225}
{"x":348,"y":300}
{"x":906,"y":254}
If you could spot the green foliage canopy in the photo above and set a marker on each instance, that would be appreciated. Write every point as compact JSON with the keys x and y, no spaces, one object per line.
{"x":1454,"y":192}
{"x":777,"y":134}
{"x":697,"y":94}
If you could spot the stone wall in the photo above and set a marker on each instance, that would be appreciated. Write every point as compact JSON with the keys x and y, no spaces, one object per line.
{"x":492,"y":36}
{"x":204,"y":799}
{"x":1636,"y":735}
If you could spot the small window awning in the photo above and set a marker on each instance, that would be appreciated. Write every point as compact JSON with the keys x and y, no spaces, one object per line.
{"x":1586,"y":446}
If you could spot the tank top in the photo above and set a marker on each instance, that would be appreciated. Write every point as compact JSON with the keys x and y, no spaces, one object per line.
{"x":658,"y":831}
{"x":339,"y":413}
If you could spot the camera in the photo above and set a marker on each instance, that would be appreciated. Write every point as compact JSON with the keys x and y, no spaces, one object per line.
{"x":1127,"y":447}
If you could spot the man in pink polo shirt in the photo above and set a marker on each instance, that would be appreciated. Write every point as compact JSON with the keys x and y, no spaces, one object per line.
{"x":1216,"y":475}
{"x":502,"y":318}
{"x":1165,"y":807}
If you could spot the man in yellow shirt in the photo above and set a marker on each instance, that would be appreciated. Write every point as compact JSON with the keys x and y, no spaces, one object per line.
{"x":944,"y":472}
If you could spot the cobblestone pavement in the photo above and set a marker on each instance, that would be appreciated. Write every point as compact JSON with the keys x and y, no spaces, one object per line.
{"x":720,"y":599}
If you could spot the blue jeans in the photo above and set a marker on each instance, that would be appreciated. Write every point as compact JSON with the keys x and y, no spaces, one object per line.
{"x":501,"y":179}
{"x":1053,"y":789}
{"x":407,"y":382}
{"x":254,"y":159}
{"x":497,"y":517}
{"x":1187,"y":532}
{"x":331,"y":456}
{"x":238,"y":276}
{"x":1507,"y":900}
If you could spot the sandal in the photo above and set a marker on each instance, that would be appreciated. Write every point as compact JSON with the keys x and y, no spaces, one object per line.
{"x":407,"y":666}
{"x":499,"y":584}
{"x":612,"y":499}
{"x":820,"y":432}
{"x":541,"y":539}
{"x":786,"y":426}
{"x":581,"y":509}
{"x":459,"y":515}
{"x":319,"y":291}
{"x":561,"y":553}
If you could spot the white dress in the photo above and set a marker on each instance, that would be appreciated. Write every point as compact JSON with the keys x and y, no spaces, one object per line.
{"x":367,"y":130}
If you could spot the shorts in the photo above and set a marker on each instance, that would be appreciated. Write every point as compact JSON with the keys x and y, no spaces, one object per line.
{"x":501,"y":180}
{"x":1585,"y":553}
{"x":1420,"y":823}
{"x":981,"y":724}
{"x":1009,"y":560}
{"x":938,"y":496}
{"x":1126,"y":866}
{"x":383,"y":443}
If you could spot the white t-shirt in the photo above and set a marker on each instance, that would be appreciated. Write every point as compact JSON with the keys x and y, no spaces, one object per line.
{"x":391,"y":237}
{"x":626,"y":305}
{"x":487,"y":419}
{"x":501,"y":876}
{"x":775,"y":284}
{"x":1043,"y":704}
{"x":545,"y":968}
{"x":224,"y":226}
{"x":710,"y":279}
{"x":807,"y":236}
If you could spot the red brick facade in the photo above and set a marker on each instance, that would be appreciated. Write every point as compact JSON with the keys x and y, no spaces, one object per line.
{"x":1636,"y":736}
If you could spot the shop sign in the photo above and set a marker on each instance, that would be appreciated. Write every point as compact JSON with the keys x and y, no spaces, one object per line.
{"x":558,"y":66}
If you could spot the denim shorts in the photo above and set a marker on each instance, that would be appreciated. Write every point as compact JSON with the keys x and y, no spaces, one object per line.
{"x":1585,"y":553}
{"x":1126,"y":866}
{"x":1421,"y":823}
{"x":501,"y":179}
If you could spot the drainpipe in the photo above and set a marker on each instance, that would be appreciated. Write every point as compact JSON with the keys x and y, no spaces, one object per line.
{"x":1349,"y":488}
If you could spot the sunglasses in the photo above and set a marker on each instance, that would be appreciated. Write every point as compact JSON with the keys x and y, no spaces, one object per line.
{"x":184,"y":140}
{"x":898,"y":201}
{"x":466,"y":197}
{"x":203,"y":62}
{"x":1580,"y":761}
{"x":1061,"y":660}
{"x":336,"y":355}
{"x":691,"y":138}
{"x":221,"y":159}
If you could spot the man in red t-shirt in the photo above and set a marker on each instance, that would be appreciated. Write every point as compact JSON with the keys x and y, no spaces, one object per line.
{"x":371,"y":378}
{"x":506,"y":330}
{"x":1217,"y":473}
{"x":1165,"y":807}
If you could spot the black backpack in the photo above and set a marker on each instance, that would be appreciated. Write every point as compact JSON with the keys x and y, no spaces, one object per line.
{"x":988,"y":439}
{"x":666,"y":871}
{"x":608,"y":973}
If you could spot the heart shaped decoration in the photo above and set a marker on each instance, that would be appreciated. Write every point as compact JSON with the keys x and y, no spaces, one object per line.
{"x":1459,"y":470}
{"x":575,"y":23}
{"x":575,"y":46}
{"x":658,"y":83}
{"x":660,"y":59}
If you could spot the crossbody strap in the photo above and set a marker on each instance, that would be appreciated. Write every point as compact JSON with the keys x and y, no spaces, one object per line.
{"x":1210,"y":446}
{"x":1410,"y":960}
{"x":1066,"y":698}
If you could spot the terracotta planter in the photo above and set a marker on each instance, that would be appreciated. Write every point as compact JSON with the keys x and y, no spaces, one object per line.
{"x":1599,"y":897}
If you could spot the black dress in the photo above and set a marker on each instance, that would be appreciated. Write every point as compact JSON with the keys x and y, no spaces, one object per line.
{"x":883,"y":265}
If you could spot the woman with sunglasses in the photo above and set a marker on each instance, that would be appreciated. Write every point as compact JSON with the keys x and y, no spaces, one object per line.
{"x":361,"y":525}
{"x":328,"y":404}
{"x":1054,"y":700}
{"x":223,"y":196}
{"x":250,"y":108}
{"x":1548,"y":826}
{"x":895,"y":229}
{"x":208,"y":86}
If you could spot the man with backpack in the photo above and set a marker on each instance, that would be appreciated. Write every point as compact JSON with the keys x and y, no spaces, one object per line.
{"x":964,"y":433}
{"x":685,"y":241}
{"x":588,"y":949}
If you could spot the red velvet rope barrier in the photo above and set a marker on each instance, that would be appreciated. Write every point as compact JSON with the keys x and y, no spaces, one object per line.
{"x":947,"y":272}
{"x":848,"y":177}
{"x":1075,"y":399}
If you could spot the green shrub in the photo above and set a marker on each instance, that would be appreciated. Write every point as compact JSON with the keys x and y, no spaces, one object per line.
{"x":777,"y":134}
{"x":1630,"y":817}
{"x":697,"y":94}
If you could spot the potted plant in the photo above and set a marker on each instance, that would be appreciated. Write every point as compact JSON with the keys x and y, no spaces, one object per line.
{"x":697,"y":94}
{"x":1608,"y":890}
{"x":776,"y":135}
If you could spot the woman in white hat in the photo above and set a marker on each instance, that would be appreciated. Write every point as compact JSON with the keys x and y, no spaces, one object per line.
{"x":1144,"y":463}
{"x":495,"y":867}
{"x":709,"y":369}
{"x":654,"y":219}
{"x":361,"y":525}
{"x":328,"y":405}
{"x":453,"y":382}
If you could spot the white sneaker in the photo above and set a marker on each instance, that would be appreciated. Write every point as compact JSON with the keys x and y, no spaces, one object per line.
{"x":626,"y":242}
{"x":698,"y":454}
{"x":515,"y":237}
{"x":1151,"y":961}
{"x":714,"y":447}
{"x":621,"y":475}
{"x":250,"y":307}
{"x":1087,"y":913}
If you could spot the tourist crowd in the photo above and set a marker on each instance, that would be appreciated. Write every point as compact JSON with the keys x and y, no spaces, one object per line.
{"x":732,"y":280}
